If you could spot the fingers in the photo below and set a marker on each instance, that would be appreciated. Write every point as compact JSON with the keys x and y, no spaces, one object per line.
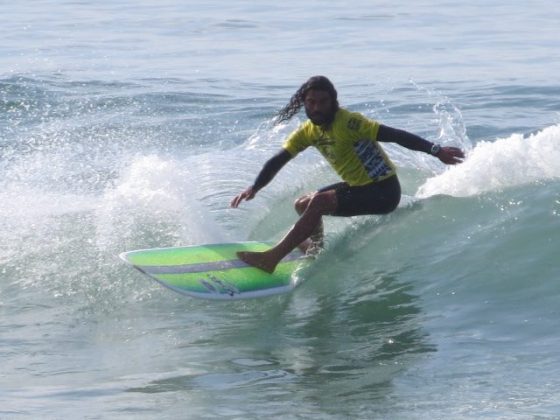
{"x":235,"y":202}
{"x":238,"y":199}
{"x":456,"y":152}
{"x":248,"y":194}
{"x":451,"y":155}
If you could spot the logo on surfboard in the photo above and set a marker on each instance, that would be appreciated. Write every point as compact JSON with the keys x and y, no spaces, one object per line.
{"x":217,"y":286}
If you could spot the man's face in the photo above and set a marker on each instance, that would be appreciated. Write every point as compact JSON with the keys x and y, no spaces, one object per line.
{"x":318,"y":106}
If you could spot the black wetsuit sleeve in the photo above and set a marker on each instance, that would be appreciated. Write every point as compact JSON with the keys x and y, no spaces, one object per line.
{"x":271,"y":168}
{"x":403,"y":138}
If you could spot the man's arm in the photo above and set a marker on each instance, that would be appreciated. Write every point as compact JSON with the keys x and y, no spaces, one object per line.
{"x":267,"y":173}
{"x":448,"y":155}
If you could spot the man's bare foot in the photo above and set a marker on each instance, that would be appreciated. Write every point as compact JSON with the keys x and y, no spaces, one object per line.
{"x":311,"y":248}
{"x":259,"y":260}
{"x":304,"y":246}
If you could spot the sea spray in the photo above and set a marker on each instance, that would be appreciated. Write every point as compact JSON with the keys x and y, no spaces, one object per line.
{"x":154,"y":193}
{"x":507,"y":162}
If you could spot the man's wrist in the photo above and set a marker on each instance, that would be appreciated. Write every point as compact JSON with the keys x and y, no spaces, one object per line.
{"x":435,"y":149}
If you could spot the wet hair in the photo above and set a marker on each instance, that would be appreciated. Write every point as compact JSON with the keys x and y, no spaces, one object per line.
{"x":298,"y":98}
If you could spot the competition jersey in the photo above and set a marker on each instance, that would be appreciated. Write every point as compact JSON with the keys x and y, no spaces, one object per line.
{"x":349,"y":145}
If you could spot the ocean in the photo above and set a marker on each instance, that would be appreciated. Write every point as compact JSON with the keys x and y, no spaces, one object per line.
{"x":127,"y":125}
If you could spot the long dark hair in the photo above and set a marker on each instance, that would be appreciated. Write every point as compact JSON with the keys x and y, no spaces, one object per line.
{"x":297,"y":99}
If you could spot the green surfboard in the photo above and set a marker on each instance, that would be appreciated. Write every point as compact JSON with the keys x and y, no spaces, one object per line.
{"x":214,"y":272}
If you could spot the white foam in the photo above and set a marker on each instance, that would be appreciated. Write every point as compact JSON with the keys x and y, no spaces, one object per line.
{"x":507,"y":162}
{"x":154,"y":190}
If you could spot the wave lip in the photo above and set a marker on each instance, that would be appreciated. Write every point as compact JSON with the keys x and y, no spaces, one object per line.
{"x":493,"y":166}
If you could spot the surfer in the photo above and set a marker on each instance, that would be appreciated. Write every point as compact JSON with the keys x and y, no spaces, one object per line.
{"x":350,"y":143}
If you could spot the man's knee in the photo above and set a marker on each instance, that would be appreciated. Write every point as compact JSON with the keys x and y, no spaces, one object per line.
{"x":302,"y":203}
{"x":323,"y":202}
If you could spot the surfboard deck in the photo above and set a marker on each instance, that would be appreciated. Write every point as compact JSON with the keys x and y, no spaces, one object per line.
{"x":213,"y":271}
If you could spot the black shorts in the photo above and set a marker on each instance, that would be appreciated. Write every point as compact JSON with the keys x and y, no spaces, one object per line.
{"x":376,"y":198}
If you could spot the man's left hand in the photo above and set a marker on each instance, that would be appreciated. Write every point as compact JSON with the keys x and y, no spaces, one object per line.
{"x":450,"y":155}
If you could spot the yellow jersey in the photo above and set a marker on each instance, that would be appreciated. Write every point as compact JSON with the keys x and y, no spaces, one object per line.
{"x":349,"y":144}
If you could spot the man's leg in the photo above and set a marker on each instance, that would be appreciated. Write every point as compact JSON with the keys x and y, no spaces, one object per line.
{"x":320,"y":204}
{"x":315,"y":241}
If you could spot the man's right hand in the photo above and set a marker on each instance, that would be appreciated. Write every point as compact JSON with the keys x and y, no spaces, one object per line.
{"x":247,"y":195}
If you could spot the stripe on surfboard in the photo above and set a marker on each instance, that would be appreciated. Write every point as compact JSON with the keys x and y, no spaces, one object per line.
{"x":204,"y":267}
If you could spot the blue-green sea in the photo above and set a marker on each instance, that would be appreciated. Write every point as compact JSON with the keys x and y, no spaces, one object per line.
{"x":132,"y":124}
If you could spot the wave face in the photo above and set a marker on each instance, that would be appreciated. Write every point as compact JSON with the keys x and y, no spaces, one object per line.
{"x":136,"y":132}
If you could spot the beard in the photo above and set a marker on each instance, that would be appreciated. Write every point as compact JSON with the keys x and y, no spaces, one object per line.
{"x":320,"y":118}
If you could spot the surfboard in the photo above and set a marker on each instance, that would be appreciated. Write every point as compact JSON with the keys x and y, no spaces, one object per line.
{"x":214,"y":272}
